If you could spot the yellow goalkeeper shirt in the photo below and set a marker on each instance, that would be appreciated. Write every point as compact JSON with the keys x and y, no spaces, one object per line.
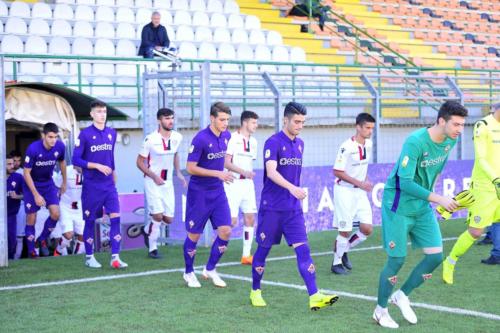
{"x":487,"y":153}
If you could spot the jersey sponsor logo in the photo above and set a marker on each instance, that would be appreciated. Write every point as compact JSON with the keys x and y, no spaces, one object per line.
{"x":191,"y":149}
{"x":212,"y":156}
{"x":45,"y":163}
{"x":433,"y":161}
{"x":267,"y":153}
{"x":102,"y":147}
{"x":290,"y":161}
{"x":405,"y":161}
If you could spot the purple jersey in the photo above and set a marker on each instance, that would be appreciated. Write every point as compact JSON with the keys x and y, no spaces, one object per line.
{"x":97,"y":146}
{"x":42,"y":161}
{"x":209,"y":151}
{"x":288,"y":155}
{"x":14,"y":185}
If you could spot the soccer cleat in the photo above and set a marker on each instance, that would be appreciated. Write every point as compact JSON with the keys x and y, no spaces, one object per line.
{"x":91,"y":262}
{"x":154,"y":254}
{"x":319,"y":300}
{"x":191,"y":280}
{"x":382,"y":317}
{"x":217,"y":281}
{"x":346,"y":262}
{"x":403,"y":303}
{"x":256,"y":298}
{"x":448,"y":269}
{"x":33,"y":255}
{"x":492,"y":260}
{"x":44,"y":250}
{"x":57,"y":253}
{"x":339,"y":270}
{"x":145,"y":236}
{"x":247,"y":260}
{"x":118,"y":264}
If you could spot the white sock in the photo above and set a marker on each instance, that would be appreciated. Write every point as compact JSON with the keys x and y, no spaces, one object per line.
{"x":341,"y":247}
{"x":357,"y":238}
{"x":247,"y":240}
{"x":79,"y":247}
{"x":19,"y":247}
{"x":154,"y":234}
{"x":63,"y":244}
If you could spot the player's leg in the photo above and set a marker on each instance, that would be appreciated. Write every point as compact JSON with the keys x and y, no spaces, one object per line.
{"x":65,"y":231}
{"x":249,"y":209}
{"x":494,"y":258}
{"x":112,"y":207}
{"x":345,"y":208}
{"x":11,"y":238}
{"x":30,"y":209}
{"x":92,"y":203}
{"x":78,"y":226}
{"x":21,"y":227}
{"x":51,"y":197}
{"x":364,"y":216}
{"x":151,"y":230}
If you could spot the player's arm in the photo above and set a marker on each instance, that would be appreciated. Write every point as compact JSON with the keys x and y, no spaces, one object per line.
{"x":62,"y":166}
{"x":481,"y":149}
{"x":195,"y":153}
{"x":178,"y":172}
{"x":79,"y":161}
{"x":18,"y":191}
{"x":228,"y":164}
{"x":342,"y":175}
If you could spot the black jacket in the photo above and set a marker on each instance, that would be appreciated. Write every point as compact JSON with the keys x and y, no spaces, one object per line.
{"x":148,"y":38}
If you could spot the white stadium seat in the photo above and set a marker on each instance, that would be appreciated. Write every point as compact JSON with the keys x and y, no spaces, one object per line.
{"x":104,"y":48}
{"x":82,"y":47}
{"x":106,"y":91}
{"x":84,"y":13}
{"x":143,"y":16}
{"x":41,"y":10}
{"x":262,"y":53}
{"x":207,"y":51}
{"x":214,"y":6}
{"x":63,"y":11}
{"x":252,"y":22}
{"x":256,"y":37}
{"x":73,"y":82}
{"x":226,"y":52}
{"x":12,"y":44}
{"x":124,"y":3}
{"x":162,"y":4}
{"x":3,"y":9}
{"x":274,"y":38}
{"x":36,"y":45}
{"x":184,"y":33}
{"x":187,"y":50}
{"x":52,"y":80}
{"x":180,"y":5}
{"x":125,"y":31}
{"x":83,"y":29}
{"x":125,"y":48}
{"x":297,"y":54}
{"x":125,"y":14}
{"x":239,"y":36}
{"x":203,"y":34}
{"x":182,"y":17}
{"x":61,"y":28}
{"x":280,"y":53}
{"x":200,"y":19}
{"x":235,"y":21}
{"x":105,"y":2}
{"x":58,"y":45}
{"x":221,"y":35}
{"x":144,"y":3}
{"x":68,"y":2}
{"x":166,"y":17}
{"x":104,"y":30}
{"x":218,"y":20}
{"x":19,"y":9}
{"x":85,"y":2}
{"x":244,"y":52}
{"x":104,"y":14}
{"x":231,"y":7}
{"x":15,"y":25}
{"x":170,"y":33}
{"x":39,"y":26}
{"x":197,"y":5}
{"x":126,"y":91}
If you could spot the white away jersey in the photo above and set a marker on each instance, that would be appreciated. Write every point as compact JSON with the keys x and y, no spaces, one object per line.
{"x":160,"y":153}
{"x":353,"y":158}
{"x":244,"y":151}
{"x":73,"y":186}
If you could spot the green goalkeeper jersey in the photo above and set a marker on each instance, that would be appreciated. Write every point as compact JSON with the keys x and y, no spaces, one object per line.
{"x":413,"y":176}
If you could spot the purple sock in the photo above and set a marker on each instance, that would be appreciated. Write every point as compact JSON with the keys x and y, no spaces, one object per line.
{"x":306,"y":268}
{"x":218,"y":248}
{"x":189,"y":254}
{"x":258,"y":265}
{"x":88,"y":237}
{"x":114,"y":235}
{"x":48,"y":226}
{"x":30,"y":237}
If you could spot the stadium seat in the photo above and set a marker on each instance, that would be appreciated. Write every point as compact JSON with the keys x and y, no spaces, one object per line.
{"x":162,"y":4}
{"x":125,"y":48}
{"x":244,"y":52}
{"x":214,"y":6}
{"x":180,"y":5}
{"x":200,"y":19}
{"x":59,"y":45}
{"x":252,"y":22}
{"x":104,"y":48}
{"x":256,"y":37}
{"x":15,"y":25}
{"x":239,"y":36}
{"x":41,"y":10}
{"x":184,"y":33}
{"x":221,"y":35}
{"x":85,"y":2}
{"x":38,"y":26}
{"x":188,"y":50}
{"x":207,"y":51}
{"x":125,"y":31}
{"x":12,"y":44}
{"x":52,"y":80}
{"x":125,"y":14}
{"x":61,"y":28}
{"x":105,"y":2}
{"x":144,"y":4}
{"x":182,"y":17}
{"x":82,"y":47}
{"x":84,"y":13}
{"x":197,"y":5}
{"x":274,"y":38}
{"x":170,"y":33}
{"x":126,"y":91}
{"x":280,"y":53}
{"x":231,"y":7}
{"x":203,"y":34}
{"x":19,"y":9}
{"x":235,"y":21}
{"x":226,"y":51}
{"x":4,"y":12}
{"x":63,"y":11}
{"x":67,"y":2}
{"x":107,"y":91}
{"x":262,"y":53}
{"x":104,"y":14}
{"x":104,"y":30}
{"x":73,"y":84}
{"x":125,"y":3}
{"x":143,"y":16}
{"x":83,"y":29}
{"x":26,"y":78}
{"x":297,"y":54}
{"x":218,"y":20}
{"x":34,"y":45}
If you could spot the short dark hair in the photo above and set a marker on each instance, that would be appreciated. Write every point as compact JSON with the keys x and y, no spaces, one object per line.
{"x":164,"y":112}
{"x":219,"y":107}
{"x":15,"y":153}
{"x":248,"y":115}
{"x":364,"y":118}
{"x":451,"y":108}
{"x":9,"y":157}
{"x":50,"y":128}
{"x":293,"y":108}
{"x":97,"y":104}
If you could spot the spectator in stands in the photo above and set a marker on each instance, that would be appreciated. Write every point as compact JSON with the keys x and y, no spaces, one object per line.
{"x":154,"y":37}
{"x":317,"y":10}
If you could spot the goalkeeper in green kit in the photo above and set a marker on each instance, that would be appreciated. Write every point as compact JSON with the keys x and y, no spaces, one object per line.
{"x":406,"y":212}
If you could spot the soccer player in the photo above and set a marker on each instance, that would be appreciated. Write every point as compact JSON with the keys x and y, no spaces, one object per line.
{"x":71,"y":222}
{"x":349,"y":194}
{"x":14,"y":195}
{"x":21,"y":215}
{"x":280,"y":210}
{"x":157,"y":159}
{"x":485,"y":187}
{"x":240,"y":154}
{"x":39,"y":188}
{"x":94,"y":153}
{"x":206,"y":198}
{"x":406,"y":210}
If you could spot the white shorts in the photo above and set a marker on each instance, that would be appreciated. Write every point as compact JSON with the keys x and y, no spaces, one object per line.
{"x":351,"y":204}
{"x":160,"y":198}
{"x":70,"y":220}
{"x":241,"y":194}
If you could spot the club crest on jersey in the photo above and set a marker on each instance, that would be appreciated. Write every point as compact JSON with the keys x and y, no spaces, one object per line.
{"x":426,"y":276}
{"x":426,"y":154}
{"x":209,"y":145}
{"x":56,"y":154}
{"x":392,"y":245}
{"x":262,"y":236}
{"x":311,"y":269}
{"x":13,"y":184}
{"x":28,"y":205}
{"x":191,"y":224}
{"x":40,"y":155}
{"x":27,"y":159}
{"x":284,"y":148}
{"x":405,"y":161}
{"x":267,"y":153}
{"x":259,"y":270}
{"x":393,"y":280}
{"x":447,"y":148}
{"x":222,"y":248}
{"x":191,"y":149}
{"x":110,"y":137}
{"x":93,"y":137}
{"x":87,"y":213}
{"x":477,"y":219}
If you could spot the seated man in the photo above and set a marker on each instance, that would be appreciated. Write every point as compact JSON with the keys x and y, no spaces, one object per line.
{"x":153,"y":37}
{"x":317,"y":10}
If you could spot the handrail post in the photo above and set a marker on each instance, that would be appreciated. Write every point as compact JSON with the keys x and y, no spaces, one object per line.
{"x":277,"y":101}
{"x":376,"y":113}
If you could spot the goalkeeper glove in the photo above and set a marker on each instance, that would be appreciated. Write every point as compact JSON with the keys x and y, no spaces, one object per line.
{"x":465,"y":199}
{"x":496,"y":182}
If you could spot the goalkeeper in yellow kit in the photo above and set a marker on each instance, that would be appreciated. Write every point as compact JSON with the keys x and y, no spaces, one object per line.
{"x":485,"y":187}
